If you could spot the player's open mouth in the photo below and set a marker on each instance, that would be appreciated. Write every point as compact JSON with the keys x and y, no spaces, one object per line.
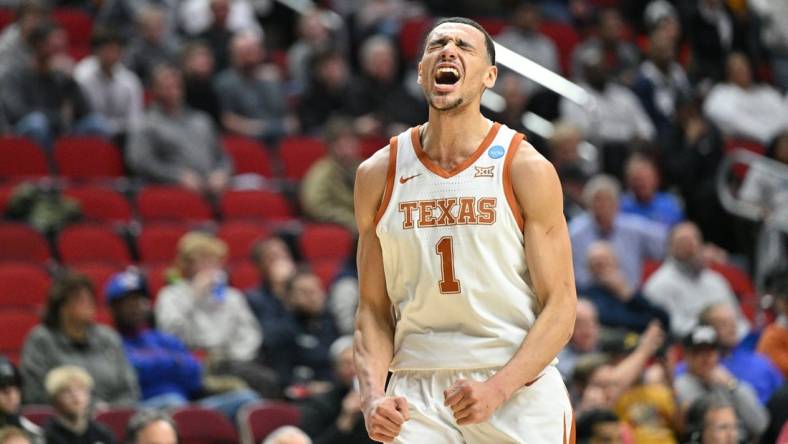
{"x":446,"y":78}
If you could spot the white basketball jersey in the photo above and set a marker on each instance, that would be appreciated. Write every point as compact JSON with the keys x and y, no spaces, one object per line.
{"x":453,"y":256}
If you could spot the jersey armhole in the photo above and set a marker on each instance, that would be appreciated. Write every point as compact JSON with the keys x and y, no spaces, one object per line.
{"x":390,"y":172}
{"x":508,"y":189}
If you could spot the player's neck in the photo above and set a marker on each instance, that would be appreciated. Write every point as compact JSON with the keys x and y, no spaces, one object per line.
{"x":450,"y":134}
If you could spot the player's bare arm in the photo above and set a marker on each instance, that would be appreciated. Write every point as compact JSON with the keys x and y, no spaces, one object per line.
{"x":374,"y":336}
{"x":548,"y":255}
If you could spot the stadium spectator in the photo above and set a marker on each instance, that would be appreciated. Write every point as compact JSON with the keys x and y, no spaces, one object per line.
{"x":774,"y":339}
{"x":175,"y":144}
{"x":302,"y":358}
{"x":741,"y":108}
{"x":199,"y":16}
{"x":11,"y":401}
{"x":764,"y":186}
{"x":619,"y":304}
{"x":619,"y":57}
{"x":711,"y":31}
{"x":275,"y":265}
{"x":15,"y":49}
{"x":643,"y":196}
{"x":689,"y":158}
{"x":41,"y":100}
{"x":208,"y":315}
{"x":661,"y":82}
{"x":712,"y":420}
{"x":331,"y":90}
{"x":327,"y":188}
{"x":569,"y":150}
{"x":343,"y":296}
{"x":684,"y":285}
{"x":778,"y":414}
{"x":69,"y":390}
{"x":151,"y":427}
{"x":386,"y":105}
{"x":197,"y":63}
{"x":524,"y":38}
{"x":152,"y":44}
{"x":615,"y":121}
{"x":634,"y":238}
{"x":287,"y":435}
{"x":738,"y":357}
{"x":13,"y":435}
{"x":217,"y":35}
{"x":774,"y":36}
{"x":599,"y":426}
{"x":168,"y":374}
{"x":112,"y":90}
{"x":252,"y":103}
{"x":313,"y":36}
{"x":69,"y":335}
{"x":661,"y":16}
{"x":705,"y":376}
{"x":335,"y":417}
{"x":585,"y":338}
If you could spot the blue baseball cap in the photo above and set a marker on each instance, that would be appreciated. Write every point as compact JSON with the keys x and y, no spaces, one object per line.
{"x":125,"y":283}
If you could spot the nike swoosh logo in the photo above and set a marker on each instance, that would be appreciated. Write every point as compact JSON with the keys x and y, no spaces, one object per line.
{"x":403,"y":179}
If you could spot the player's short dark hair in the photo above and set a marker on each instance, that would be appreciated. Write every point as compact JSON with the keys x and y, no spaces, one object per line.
{"x":488,"y":41}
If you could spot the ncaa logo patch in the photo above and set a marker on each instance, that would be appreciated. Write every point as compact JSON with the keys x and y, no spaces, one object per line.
{"x":496,"y":152}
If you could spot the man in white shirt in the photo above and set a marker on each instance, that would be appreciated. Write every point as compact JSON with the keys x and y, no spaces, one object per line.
{"x":744,"y":109}
{"x":112,"y":89}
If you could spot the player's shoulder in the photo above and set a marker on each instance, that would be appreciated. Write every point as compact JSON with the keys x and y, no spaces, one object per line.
{"x":528,"y":161}
{"x":376,"y":165}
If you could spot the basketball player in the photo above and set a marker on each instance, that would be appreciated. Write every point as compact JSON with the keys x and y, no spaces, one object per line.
{"x":466,"y":285}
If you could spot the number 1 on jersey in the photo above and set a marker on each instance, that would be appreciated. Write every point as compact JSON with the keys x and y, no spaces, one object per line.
{"x":445,"y":249}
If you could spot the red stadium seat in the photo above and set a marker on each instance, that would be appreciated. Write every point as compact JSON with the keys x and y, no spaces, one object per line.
{"x":157,"y":242}
{"x":16,"y":325}
{"x":169,"y":203}
{"x":248,"y":155}
{"x":298,"y":153}
{"x":369,"y":145}
{"x":649,"y":267}
{"x":565,"y":38}
{"x":104,"y":317}
{"x":19,"y":242}
{"x":101,"y":204}
{"x":240,"y":236}
{"x":5,"y":196}
{"x":244,"y":275}
{"x":77,"y":24}
{"x":258,"y":205}
{"x":326,"y":270}
{"x":23,"y":285}
{"x":116,"y":420}
{"x":492,"y":25}
{"x":87,"y":158}
{"x":99,"y":273}
{"x":21,"y":157}
{"x":197,"y":425}
{"x":411,"y":37}
{"x":92,"y":243}
{"x":6,"y":17}
{"x":38,"y":414}
{"x":257,"y":421}
{"x":325,"y":242}
{"x":745,"y":144}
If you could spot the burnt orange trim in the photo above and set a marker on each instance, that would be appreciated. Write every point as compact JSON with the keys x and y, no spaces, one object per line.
{"x":508,"y":189}
{"x":572,"y":433}
{"x":392,"y":170}
{"x":437,"y":169}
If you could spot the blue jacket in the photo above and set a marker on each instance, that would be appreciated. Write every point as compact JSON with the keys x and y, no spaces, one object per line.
{"x":163,"y":364}
{"x":663,"y":208}
{"x":633,"y":315}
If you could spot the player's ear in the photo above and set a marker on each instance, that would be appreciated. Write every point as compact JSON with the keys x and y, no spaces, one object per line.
{"x":491,"y":76}
{"x":418,"y":78}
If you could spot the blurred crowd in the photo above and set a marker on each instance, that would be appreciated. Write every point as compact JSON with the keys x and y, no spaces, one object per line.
{"x":672,"y":343}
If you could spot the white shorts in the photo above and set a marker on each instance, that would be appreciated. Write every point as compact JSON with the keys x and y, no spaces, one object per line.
{"x":536,"y":414}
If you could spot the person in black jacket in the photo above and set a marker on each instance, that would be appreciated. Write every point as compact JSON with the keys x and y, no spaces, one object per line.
{"x":69,"y":389}
{"x":10,"y":400}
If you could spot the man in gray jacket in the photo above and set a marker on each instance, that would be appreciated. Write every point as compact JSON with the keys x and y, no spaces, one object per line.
{"x":175,"y":144}
{"x":705,"y":376}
